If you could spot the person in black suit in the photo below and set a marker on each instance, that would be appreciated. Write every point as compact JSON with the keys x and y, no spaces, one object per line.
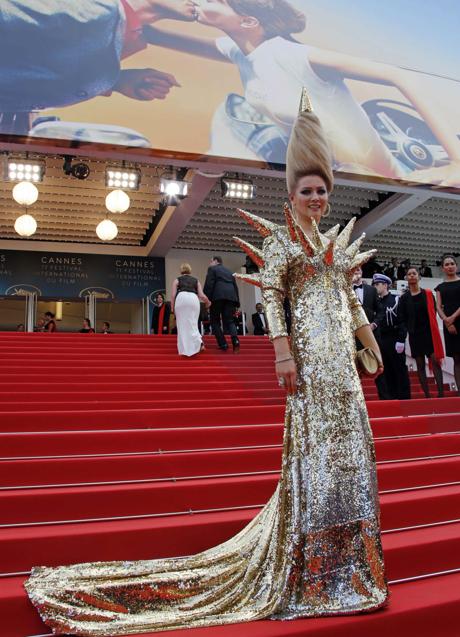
{"x":367,"y":296}
{"x":370,"y":268}
{"x":369,"y":299}
{"x":221,"y":289}
{"x":425,"y":270}
{"x":393,"y":334}
{"x":259,"y":321}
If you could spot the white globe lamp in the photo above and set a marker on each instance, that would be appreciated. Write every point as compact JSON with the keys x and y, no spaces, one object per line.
{"x":117,"y":201}
{"x":25,"y":193}
{"x":25,"y":226}
{"x":107,"y":230}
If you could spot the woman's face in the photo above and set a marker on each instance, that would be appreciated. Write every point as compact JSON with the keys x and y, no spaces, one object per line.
{"x":160,"y":299}
{"x":449,"y":267}
{"x":217,"y":13}
{"x":310,"y":198}
{"x":85,"y":324}
{"x":412,"y":276}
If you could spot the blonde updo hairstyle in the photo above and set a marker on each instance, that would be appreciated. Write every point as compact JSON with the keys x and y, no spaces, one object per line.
{"x":185,"y":268}
{"x":308,"y":152}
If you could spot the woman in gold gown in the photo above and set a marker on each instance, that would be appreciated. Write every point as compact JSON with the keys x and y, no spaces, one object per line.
{"x":315,"y":547}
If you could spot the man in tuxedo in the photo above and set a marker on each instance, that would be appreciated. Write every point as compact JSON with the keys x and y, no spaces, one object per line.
{"x":369,"y":299}
{"x":367,"y":296}
{"x":221,"y":289}
{"x":259,"y":321}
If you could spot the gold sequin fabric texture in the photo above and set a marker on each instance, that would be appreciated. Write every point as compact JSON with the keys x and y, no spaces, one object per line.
{"x":315,"y":548}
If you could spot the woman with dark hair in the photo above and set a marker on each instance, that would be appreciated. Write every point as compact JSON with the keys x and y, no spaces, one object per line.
{"x":161,"y":315}
{"x":50,"y":323}
{"x":315,"y":548}
{"x":417,"y":310}
{"x":86,"y":329}
{"x":106,"y":328}
{"x":448,"y":301}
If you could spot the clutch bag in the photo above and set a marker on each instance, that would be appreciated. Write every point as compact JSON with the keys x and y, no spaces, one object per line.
{"x":367,"y":361}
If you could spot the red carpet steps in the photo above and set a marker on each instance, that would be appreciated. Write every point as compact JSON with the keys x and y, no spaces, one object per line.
{"x":112,"y":447}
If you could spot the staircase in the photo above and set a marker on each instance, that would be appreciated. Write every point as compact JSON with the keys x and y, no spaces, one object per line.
{"x":114,"y":448}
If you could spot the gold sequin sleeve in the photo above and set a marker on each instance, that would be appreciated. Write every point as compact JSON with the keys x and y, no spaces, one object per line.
{"x":358,"y":316}
{"x":274,"y":285}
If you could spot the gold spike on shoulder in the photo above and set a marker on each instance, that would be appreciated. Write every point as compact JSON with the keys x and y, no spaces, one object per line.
{"x":328,"y":257}
{"x":263,"y":227}
{"x":354,"y":247}
{"x":361,"y":258}
{"x":253,"y":279}
{"x":316,"y":236}
{"x":307,"y":246}
{"x":344,"y":237}
{"x":332,"y":232}
{"x":290,"y":223}
{"x":254,"y":253}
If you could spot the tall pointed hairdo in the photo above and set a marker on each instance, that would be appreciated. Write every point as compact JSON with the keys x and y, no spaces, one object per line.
{"x":308,"y":152}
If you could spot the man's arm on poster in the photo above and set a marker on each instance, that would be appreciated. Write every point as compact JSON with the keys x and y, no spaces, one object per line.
{"x":145,"y":84}
{"x":203,"y":47}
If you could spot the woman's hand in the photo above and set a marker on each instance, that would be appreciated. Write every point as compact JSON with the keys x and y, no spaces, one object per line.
{"x":367,"y":339}
{"x":287,"y":375}
{"x":452,"y":329}
{"x":449,"y":320}
{"x":207,"y":303}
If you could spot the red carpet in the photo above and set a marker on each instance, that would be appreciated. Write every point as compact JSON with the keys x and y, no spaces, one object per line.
{"x":113,"y":447}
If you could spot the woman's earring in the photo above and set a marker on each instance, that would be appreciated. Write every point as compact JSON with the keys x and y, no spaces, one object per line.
{"x":328,"y":210}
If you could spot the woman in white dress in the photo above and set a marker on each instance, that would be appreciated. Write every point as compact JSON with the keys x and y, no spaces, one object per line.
{"x":186,"y":295}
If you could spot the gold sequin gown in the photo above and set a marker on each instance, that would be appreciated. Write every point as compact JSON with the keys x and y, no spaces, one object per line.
{"x":315,"y":547}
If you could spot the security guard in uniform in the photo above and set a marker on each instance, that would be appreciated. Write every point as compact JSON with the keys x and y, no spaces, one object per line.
{"x":392,"y":340}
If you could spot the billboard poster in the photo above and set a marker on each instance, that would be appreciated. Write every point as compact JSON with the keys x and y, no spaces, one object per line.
{"x":222,"y":78}
{"x":63,"y":275}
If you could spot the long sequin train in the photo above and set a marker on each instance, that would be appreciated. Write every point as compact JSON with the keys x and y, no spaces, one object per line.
{"x":315,"y":547}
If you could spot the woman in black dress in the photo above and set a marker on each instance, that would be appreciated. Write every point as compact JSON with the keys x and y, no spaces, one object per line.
{"x":50,"y":323}
{"x":417,"y":310}
{"x":86,"y":328}
{"x":448,"y":298}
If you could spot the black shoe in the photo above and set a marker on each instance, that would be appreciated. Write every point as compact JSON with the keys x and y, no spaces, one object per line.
{"x":236,"y":347}
{"x":224,"y":348}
